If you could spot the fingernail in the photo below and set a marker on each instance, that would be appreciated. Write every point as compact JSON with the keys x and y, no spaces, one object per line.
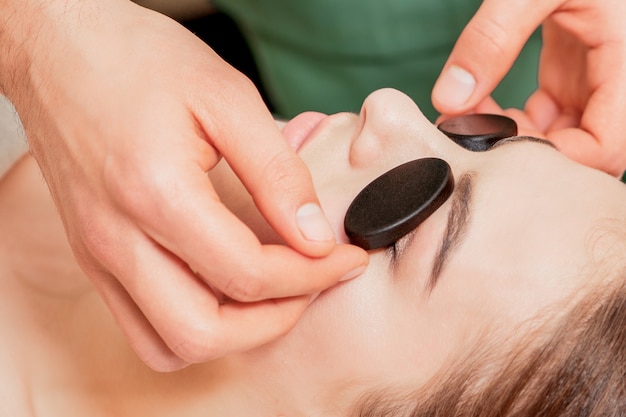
{"x":454,"y":87}
{"x":354,"y":273}
{"x":313,"y":224}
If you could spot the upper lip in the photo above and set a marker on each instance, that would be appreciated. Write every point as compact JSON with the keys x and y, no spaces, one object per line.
{"x":299,"y":129}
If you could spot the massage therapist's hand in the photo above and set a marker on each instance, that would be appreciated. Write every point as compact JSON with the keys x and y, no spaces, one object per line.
{"x":125,"y":112}
{"x":581,"y":98}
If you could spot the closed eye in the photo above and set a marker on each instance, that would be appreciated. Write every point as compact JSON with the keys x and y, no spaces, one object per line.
{"x":396,"y":249}
{"x":514,"y":139}
{"x":457,"y":220}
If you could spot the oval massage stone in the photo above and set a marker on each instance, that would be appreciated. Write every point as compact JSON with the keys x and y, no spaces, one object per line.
{"x":478,"y":132}
{"x":397,"y":202}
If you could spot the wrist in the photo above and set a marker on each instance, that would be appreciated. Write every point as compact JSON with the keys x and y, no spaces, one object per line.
{"x":30,"y":32}
{"x":20,"y":24}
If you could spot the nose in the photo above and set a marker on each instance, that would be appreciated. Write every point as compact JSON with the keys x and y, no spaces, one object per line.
{"x":388,"y":117}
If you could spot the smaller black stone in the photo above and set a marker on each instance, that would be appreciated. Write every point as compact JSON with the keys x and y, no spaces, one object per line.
{"x":478,"y":132}
{"x":395,"y":203}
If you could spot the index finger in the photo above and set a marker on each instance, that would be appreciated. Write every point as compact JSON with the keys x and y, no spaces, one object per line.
{"x":235,"y":262}
{"x":246,"y":135}
{"x":486,"y":51}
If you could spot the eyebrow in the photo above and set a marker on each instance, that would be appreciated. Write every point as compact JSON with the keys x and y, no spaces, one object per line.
{"x":456,"y":227}
{"x":460,"y":213}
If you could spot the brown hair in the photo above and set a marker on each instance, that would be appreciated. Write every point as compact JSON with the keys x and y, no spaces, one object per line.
{"x":579,"y":370}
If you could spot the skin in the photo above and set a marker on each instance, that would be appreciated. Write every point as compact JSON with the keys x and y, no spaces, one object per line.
{"x":537,"y":227}
{"x":118,"y":132}
{"x":120,"y":127}
{"x":535,"y":232}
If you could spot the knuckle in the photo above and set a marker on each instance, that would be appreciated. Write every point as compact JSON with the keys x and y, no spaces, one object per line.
{"x":234,"y":85}
{"x":135,"y":189}
{"x":245,"y":83}
{"x":239,"y":81}
{"x":283,"y":174}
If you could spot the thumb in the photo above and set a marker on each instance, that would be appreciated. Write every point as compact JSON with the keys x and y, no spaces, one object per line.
{"x":486,"y":50}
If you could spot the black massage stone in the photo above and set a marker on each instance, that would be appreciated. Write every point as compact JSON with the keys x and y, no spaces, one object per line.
{"x":397,"y":202}
{"x":478,"y":132}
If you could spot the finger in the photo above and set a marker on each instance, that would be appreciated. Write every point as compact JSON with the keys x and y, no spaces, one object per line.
{"x":486,"y":50}
{"x":598,"y":140}
{"x":141,"y":336}
{"x":192,"y":322}
{"x":116,"y":244}
{"x":192,"y":223}
{"x":584,"y":147}
{"x":239,"y":266}
{"x":592,"y":138}
{"x":175,"y":204}
{"x":243,"y":130}
{"x":542,"y":110}
{"x":601,"y":117}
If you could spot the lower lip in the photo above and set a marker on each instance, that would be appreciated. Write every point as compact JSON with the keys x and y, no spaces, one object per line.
{"x":300,"y":127}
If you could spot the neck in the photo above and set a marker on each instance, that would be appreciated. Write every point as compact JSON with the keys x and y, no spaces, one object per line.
{"x":266,"y":382}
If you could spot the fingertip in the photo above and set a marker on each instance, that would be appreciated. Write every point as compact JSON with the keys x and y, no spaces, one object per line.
{"x":354,"y":273}
{"x":356,"y":257}
{"x":485,"y":51}
{"x":453,"y":89}
{"x":165,"y":364}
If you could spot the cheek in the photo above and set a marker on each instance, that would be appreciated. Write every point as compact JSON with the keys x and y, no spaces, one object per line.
{"x":335,"y":194}
{"x":354,"y":315}
{"x":350,"y":329}
{"x":430,"y":332}
{"x":375,"y":329}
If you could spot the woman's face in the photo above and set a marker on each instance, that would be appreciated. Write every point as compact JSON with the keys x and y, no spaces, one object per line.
{"x":528,"y":224}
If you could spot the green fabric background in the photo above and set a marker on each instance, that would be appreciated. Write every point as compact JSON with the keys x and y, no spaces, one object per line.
{"x":328,"y":55}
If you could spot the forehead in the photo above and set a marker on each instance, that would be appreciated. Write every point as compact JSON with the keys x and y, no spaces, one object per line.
{"x":529,"y":243}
